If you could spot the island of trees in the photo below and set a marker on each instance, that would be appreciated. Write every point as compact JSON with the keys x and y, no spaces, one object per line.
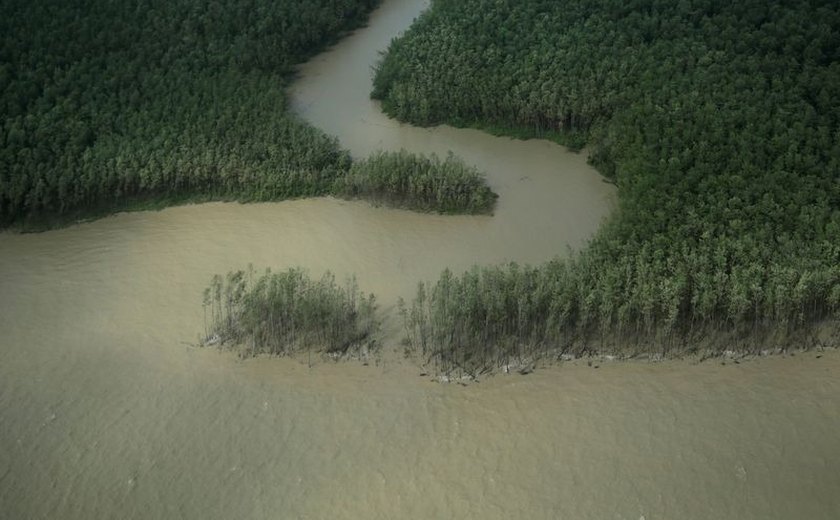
{"x":286,"y":313}
{"x":718,"y":121}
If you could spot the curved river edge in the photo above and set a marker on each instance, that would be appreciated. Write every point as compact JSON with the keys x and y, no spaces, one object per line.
{"x":106,"y":411}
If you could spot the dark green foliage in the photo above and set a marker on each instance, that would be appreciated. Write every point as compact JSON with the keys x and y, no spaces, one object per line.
{"x":287,"y":312}
{"x":418,"y":182}
{"x":106,"y":103}
{"x":719,"y":122}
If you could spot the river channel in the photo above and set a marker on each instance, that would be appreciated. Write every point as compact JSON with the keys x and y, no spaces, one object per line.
{"x":107,"y":410}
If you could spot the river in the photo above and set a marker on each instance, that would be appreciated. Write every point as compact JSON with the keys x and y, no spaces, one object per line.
{"x":107,"y":411}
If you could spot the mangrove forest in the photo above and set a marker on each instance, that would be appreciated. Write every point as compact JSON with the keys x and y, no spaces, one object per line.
{"x":718,"y":121}
{"x":106,"y":105}
{"x":109,"y":106}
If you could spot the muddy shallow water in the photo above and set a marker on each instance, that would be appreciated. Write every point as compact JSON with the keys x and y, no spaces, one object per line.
{"x":107,"y":411}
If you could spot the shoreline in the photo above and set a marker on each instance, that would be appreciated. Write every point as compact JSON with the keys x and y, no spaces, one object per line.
{"x":390,"y":356}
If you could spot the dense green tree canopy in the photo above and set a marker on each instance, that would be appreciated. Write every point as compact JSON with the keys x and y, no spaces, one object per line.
{"x":719,"y":121}
{"x":106,"y":102}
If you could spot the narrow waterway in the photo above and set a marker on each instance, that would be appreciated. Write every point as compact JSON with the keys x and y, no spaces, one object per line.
{"x":106,"y":411}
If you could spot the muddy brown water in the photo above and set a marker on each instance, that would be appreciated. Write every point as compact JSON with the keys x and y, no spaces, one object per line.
{"x":106,"y":411}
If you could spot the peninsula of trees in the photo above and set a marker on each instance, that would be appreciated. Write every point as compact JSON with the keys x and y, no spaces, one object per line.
{"x":423,"y":183}
{"x":115,"y":105}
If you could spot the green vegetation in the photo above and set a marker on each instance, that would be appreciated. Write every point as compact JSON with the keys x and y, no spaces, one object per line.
{"x":418,"y":182}
{"x":107,"y":105}
{"x":718,"y":121}
{"x":110,"y":106}
{"x":287,"y":312}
